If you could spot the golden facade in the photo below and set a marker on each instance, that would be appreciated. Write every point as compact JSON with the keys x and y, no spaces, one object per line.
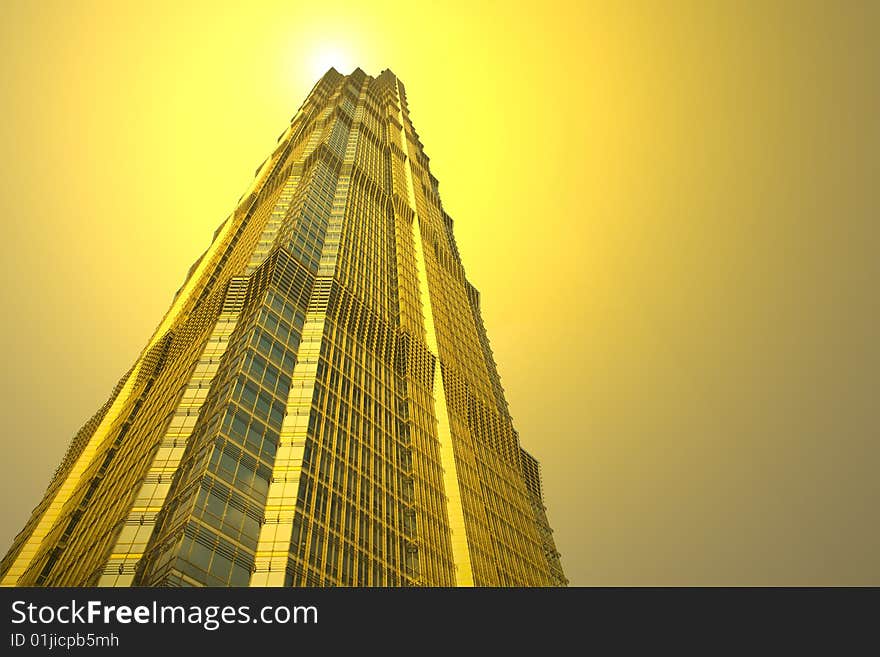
{"x":319,"y":406}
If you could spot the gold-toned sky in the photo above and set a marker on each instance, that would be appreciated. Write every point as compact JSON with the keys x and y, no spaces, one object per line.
{"x":670,"y":209}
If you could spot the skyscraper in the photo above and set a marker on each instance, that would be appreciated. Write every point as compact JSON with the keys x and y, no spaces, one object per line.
{"x":319,"y":406}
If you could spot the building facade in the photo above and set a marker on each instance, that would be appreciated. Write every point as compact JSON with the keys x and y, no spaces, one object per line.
{"x":319,"y":406}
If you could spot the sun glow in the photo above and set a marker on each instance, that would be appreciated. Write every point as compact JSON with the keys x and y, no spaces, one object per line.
{"x":327,"y":55}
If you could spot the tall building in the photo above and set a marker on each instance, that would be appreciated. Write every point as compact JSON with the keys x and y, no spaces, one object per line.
{"x":319,"y":406}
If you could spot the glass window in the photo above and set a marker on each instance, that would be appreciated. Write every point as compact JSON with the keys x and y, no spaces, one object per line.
{"x":240,"y":575}
{"x":239,"y":424}
{"x":215,"y":505}
{"x":200,"y":556}
{"x":228,"y":462}
{"x":221,"y":566}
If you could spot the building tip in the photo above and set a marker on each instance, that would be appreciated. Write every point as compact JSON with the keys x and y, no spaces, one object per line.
{"x":386,"y":73}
